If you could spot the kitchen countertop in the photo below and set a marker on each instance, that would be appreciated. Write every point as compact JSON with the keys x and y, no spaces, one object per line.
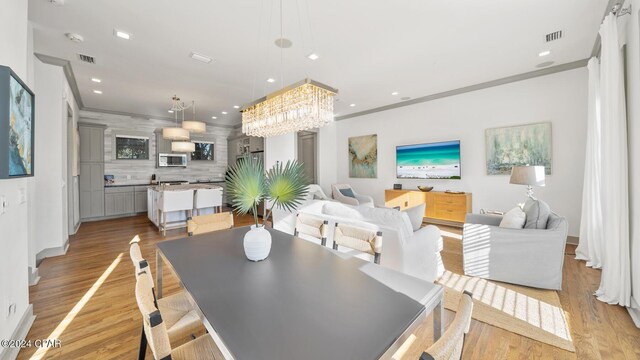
{"x":184,"y":187}
{"x":123,"y":185}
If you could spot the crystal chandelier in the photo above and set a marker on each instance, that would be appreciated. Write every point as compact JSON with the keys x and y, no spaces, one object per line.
{"x":304,"y":105}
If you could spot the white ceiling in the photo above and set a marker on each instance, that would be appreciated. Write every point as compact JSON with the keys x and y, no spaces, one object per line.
{"x":367,"y":49}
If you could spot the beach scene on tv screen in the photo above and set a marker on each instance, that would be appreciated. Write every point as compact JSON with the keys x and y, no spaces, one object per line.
{"x":429,"y":161}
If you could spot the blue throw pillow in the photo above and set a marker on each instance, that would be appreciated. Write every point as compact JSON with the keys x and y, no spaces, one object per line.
{"x":347,"y":192}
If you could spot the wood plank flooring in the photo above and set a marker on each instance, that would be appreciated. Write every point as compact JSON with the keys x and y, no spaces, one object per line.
{"x":86,"y":299}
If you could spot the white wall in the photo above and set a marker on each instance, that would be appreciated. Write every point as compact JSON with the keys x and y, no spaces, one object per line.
{"x":13,"y":223}
{"x":560,"y":98}
{"x":280,"y":148}
{"x":633,"y":118}
{"x":327,"y":155}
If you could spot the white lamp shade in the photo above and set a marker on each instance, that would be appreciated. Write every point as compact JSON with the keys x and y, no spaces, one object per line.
{"x":194,"y":126}
{"x":175,"y":133}
{"x":527,"y":175}
{"x":183,"y":146}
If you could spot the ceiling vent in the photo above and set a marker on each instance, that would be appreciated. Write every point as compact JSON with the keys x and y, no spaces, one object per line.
{"x":87,"y":58}
{"x":556,"y":35}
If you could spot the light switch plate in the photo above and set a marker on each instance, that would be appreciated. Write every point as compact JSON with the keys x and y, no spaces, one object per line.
{"x":22,"y":195}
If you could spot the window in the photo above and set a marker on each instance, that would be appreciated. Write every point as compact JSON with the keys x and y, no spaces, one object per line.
{"x":132,"y":147}
{"x":204,"y":150}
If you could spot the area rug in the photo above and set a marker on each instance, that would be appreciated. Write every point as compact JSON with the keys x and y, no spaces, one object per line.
{"x":533,"y":313}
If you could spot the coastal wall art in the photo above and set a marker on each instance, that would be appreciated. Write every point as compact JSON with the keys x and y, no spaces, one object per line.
{"x":363,"y":156}
{"x":17,"y":125}
{"x":518,"y":145}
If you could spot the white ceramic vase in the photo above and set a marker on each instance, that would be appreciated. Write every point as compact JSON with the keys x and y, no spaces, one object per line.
{"x":257,"y":243}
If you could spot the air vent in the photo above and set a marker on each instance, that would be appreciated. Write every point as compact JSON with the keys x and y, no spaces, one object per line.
{"x":556,"y":35}
{"x":87,"y":58}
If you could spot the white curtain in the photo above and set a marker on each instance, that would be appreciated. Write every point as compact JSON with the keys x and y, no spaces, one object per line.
{"x":615,"y":284}
{"x":591,"y":234}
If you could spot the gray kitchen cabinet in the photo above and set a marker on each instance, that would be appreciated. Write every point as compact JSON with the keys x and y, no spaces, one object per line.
{"x":256,"y":144}
{"x":140,"y":196}
{"x":91,"y":143}
{"x":119,"y":201}
{"x":91,"y":177}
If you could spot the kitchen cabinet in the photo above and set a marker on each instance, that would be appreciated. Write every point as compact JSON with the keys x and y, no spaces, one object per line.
{"x":125,"y":200}
{"x":140,"y":200}
{"x":91,"y":177}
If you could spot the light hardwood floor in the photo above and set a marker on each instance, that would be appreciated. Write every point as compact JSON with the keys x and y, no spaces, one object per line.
{"x":86,"y":299}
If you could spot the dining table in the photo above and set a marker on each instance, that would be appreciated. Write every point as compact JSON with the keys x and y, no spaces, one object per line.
{"x":304,"y":301}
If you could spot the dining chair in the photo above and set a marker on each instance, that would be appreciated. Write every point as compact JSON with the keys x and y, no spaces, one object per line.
{"x":208,"y":223}
{"x":207,"y":198}
{"x":182,"y":320}
{"x":174,"y":201}
{"x":365,"y":240}
{"x":157,"y":335}
{"x":450,"y":345}
{"x":310,"y":227}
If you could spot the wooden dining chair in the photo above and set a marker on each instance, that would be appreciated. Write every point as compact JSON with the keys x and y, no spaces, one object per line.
{"x":182,"y":320}
{"x":208,"y":223}
{"x":311,"y":227}
{"x":157,"y":335}
{"x":365,"y":240}
{"x":450,"y":345}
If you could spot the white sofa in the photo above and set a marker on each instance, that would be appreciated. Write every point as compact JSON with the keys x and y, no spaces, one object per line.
{"x":414,"y":253}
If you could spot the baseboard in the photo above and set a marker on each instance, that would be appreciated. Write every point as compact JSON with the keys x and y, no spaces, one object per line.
{"x":34,"y":276}
{"x":51,"y":252}
{"x":573,"y":240}
{"x":20,"y":333}
{"x":634,"y":311}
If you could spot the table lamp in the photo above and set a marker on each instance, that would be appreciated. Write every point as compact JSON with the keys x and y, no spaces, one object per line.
{"x":527,"y":175}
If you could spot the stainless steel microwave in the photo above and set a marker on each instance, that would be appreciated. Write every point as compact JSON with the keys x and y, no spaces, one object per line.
{"x":172,"y":160}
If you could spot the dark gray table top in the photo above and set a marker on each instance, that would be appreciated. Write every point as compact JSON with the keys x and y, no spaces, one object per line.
{"x":304,"y":301}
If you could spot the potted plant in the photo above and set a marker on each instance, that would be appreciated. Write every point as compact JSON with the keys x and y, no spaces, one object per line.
{"x":248,"y":184}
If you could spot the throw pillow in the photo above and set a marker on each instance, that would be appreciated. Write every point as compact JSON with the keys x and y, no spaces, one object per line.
{"x":513,"y":219}
{"x":347,"y":192}
{"x":416,"y":214}
{"x":537,"y":212}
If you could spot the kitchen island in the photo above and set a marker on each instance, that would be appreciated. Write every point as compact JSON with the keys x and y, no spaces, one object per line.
{"x":177,"y":219}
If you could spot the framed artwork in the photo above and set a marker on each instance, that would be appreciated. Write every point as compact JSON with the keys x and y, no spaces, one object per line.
{"x":363,"y":156}
{"x":518,"y":145}
{"x":16,"y":126}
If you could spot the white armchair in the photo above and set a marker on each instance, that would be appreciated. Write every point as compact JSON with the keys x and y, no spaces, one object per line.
{"x":530,"y":257}
{"x":355,"y":200}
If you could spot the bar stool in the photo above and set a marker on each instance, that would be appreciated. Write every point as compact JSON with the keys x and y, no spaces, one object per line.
{"x":207,"y":198}
{"x":174,"y":201}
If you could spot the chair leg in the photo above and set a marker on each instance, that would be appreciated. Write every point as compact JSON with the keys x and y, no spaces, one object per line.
{"x":142,"y":351}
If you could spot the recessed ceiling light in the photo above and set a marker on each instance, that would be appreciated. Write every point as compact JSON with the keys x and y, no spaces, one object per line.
{"x":96,"y":80}
{"x":352,"y":105}
{"x":224,"y":113}
{"x":170,"y":111}
{"x":97,"y":91}
{"x":214,"y":117}
{"x":236,"y":106}
{"x":544,"y":53}
{"x":271,"y":80}
{"x":121,"y":34}
{"x":205,"y":59}
{"x":313,"y":56}
{"x":394,"y":93}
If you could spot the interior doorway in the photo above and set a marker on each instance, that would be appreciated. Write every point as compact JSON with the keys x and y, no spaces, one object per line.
{"x":308,"y":153}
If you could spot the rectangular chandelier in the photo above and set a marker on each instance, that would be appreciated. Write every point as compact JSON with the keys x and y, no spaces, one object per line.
{"x":304,"y":105}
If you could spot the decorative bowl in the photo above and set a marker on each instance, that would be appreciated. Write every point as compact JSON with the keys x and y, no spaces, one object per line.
{"x":425,"y":188}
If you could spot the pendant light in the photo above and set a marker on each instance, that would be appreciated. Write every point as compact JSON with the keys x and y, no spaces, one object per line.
{"x":177,"y":132}
{"x":184,"y":145}
{"x":194,"y":126}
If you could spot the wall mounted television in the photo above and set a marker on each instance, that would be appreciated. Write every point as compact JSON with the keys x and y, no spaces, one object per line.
{"x":17,"y":105}
{"x":440,"y":160}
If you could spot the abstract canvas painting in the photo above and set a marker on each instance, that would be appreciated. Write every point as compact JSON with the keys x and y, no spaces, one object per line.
{"x":363,"y":156}
{"x":20,"y":136}
{"x":518,"y":145}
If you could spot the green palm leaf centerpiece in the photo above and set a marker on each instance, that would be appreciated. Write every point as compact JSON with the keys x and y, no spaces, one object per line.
{"x":248,"y":184}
